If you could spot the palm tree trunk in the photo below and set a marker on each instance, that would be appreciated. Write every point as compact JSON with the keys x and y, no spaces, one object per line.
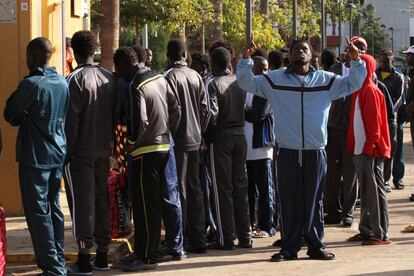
{"x":264,"y":7}
{"x":109,"y":32}
{"x":217,"y":25}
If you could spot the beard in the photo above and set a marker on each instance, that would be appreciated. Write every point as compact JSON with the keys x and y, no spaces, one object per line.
{"x":300,"y":62}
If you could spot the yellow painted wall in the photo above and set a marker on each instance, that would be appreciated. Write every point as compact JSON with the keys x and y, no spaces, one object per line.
{"x":43,"y":18}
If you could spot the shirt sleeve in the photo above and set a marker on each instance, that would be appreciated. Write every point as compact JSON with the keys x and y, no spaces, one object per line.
{"x":344,"y":86}
{"x":73,"y":115}
{"x":19,"y":103}
{"x":247,"y":81}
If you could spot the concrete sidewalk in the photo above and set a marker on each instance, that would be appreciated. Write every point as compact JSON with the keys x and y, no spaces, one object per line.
{"x":351,"y":258}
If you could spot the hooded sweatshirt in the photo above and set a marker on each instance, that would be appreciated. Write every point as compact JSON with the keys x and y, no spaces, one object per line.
{"x":373,"y":114}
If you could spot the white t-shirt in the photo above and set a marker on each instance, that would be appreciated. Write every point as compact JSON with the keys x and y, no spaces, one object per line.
{"x":359,"y":130}
{"x":258,"y":153}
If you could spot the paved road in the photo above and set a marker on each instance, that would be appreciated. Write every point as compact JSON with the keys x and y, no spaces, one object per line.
{"x":351,"y":258}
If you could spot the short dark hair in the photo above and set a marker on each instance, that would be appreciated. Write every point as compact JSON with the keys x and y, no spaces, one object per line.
{"x":83,"y":44}
{"x":387,"y":53}
{"x":328,"y":58}
{"x":221,"y":43}
{"x":199,"y":61}
{"x":126,"y":55}
{"x":261,"y":53}
{"x":275,"y":59}
{"x":176,"y":49}
{"x":304,"y":39}
{"x":221,"y":58}
{"x":39,"y":45}
{"x":141,"y":53}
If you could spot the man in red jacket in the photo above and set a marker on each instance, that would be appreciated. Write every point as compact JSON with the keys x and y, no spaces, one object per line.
{"x":369,"y":141}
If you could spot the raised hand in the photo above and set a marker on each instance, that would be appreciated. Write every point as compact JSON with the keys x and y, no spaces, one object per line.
{"x":353,"y":51}
{"x":250,"y":49}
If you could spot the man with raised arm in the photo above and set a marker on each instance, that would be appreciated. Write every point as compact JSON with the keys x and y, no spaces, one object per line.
{"x":301,"y":97}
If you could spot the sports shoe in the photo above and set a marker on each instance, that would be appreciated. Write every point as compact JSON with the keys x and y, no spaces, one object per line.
{"x":74,"y":269}
{"x":101,"y":262}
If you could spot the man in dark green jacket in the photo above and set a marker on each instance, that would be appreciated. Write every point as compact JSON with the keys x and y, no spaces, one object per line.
{"x":38,"y":107}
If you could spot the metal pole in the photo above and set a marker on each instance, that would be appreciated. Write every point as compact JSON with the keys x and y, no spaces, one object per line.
{"x":340,"y":26}
{"x":323,"y":25}
{"x":145,"y":36}
{"x":392,"y":39}
{"x":248,"y":21}
{"x":63,"y":38}
{"x":350,"y":21}
{"x":294,"y":19}
{"x":203,"y":40}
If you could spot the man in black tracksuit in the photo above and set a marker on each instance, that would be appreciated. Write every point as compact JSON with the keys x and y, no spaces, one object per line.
{"x":341,"y":183}
{"x":188,"y":88}
{"x":228,"y":149}
{"x":153,"y":114}
{"x":89,"y":129}
{"x":394,"y":82}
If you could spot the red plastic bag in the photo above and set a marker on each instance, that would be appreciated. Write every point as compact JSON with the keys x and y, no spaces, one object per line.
{"x":3,"y":241}
{"x":120,"y":209}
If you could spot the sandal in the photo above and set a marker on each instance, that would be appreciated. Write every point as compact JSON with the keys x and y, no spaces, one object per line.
{"x":356,"y":237}
{"x":281,"y":258}
{"x":375,"y":241}
{"x":323,"y":256}
{"x":260,"y":234}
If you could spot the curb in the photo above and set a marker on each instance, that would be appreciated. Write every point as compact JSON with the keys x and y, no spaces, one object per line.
{"x":117,"y":248}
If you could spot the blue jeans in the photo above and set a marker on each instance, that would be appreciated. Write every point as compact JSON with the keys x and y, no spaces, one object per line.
{"x":171,"y":206}
{"x":398,"y":161}
{"x":41,"y":203}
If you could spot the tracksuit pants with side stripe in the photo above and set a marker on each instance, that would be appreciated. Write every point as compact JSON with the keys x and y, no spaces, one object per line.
{"x":146,"y":176}
{"x":40,"y":197}
{"x":231,"y":206}
{"x":301,"y":179}
{"x":86,"y":181}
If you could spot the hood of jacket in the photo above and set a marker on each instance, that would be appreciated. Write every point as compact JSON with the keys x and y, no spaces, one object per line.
{"x":371,"y":65}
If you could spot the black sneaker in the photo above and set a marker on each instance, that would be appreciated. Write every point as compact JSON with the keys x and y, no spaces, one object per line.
{"x":137,"y":265}
{"x":248,"y":244}
{"x":281,"y":258}
{"x":81,"y":267}
{"x":101,"y":262}
{"x":127,"y":259}
{"x":164,"y":252}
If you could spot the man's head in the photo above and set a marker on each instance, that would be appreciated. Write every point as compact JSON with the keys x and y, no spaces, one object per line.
{"x":176,"y":50}
{"x":300,"y":52}
{"x":220,"y":60}
{"x":328,"y":58}
{"x":125,"y":60}
{"x":220,"y":43}
{"x":360,"y":43}
{"x":260,"y":52}
{"x":200,"y":63}
{"x":38,"y":53}
{"x":142,"y":54}
{"x":386,"y":59}
{"x":260,"y":65}
{"x":148,"y":62}
{"x":409,"y":58}
{"x":275,"y":60}
{"x":84,"y":46}
{"x":315,"y":60}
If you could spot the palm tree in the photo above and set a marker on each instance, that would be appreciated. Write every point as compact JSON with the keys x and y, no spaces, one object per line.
{"x":217,"y":25}
{"x":109,"y":33}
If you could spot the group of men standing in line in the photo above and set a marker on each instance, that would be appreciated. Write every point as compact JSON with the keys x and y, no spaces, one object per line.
{"x":182,"y":118}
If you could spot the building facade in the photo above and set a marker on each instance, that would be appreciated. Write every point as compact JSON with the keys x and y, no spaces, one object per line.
{"x":21,"y":21}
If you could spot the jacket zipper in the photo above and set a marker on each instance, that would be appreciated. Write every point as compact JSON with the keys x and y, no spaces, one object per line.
{"x":302,"y":113}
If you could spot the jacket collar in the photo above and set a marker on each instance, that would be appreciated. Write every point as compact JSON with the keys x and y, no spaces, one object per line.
{"x":224,"y":73}
{"x":289,"y":70}
{"x":43,"y":71}
{"x":392,"y":72}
